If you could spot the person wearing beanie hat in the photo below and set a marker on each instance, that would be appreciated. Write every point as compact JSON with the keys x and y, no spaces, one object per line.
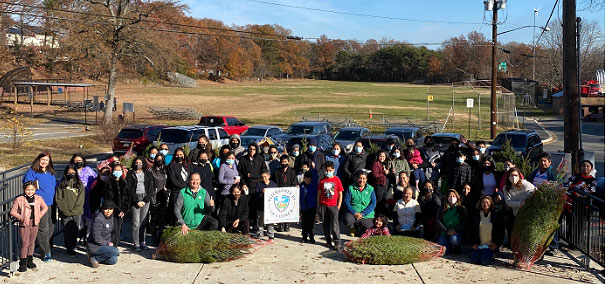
{"x":99,"y":247}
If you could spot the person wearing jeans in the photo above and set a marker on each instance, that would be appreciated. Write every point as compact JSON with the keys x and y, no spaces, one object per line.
{"x":141,"y":190}
{"x":451,"y":220}
{"x":99,"y":246}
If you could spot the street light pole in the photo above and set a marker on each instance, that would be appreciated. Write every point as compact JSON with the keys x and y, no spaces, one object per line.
{"x":493,"y":84}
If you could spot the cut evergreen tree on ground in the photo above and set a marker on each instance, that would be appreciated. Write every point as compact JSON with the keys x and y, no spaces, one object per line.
{"x":392,"y":250}
{"x":202,"y":246}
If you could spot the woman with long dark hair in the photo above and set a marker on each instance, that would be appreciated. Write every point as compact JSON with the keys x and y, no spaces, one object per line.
{"x":141,"y":190}
{"x":70,"y":200}
{"x":42,"y":173}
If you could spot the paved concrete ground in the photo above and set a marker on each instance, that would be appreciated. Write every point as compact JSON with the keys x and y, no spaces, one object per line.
{"x":48,"y":130}
{"x":288,"y":261}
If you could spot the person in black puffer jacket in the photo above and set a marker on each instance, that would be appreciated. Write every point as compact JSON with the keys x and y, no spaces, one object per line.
{"x":460,"y":174}
{"x":233,"y":215}
{"x":355,"y":161}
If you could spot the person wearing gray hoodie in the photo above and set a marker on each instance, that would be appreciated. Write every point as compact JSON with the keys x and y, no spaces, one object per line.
{"x":235,"y":145}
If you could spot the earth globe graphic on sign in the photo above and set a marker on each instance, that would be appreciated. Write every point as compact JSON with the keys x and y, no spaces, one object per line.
{"x":281,"y":202}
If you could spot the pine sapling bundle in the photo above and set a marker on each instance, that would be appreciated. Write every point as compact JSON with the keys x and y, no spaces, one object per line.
{"x":201,"y":246}
{"x":391,"y":250}
{"x":536,"y":224}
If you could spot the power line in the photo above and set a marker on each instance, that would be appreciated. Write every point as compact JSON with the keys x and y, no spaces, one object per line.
{"x":131,"y":19}
{"x":363,"y":15}
{"x":546,"y":24}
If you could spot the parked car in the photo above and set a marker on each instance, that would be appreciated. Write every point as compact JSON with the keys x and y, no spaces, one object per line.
{"x":247,"y":140}
{"x":140,"y":135}
{"x":304,"y":128}
{"x":347,"y":136}
{"x":230,"y":124}
{"x":443,"y":140}
{"x":405,"y":132}
{"x":525,"y":143}
{"x":324,"y":141}
{"x":179,"y":136}
{"x":380,"y":140}
{"x":262,"y":131}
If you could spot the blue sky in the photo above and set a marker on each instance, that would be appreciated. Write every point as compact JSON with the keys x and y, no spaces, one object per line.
{"x":308,"y":23}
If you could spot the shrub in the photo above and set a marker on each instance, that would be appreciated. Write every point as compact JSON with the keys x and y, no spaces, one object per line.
{"x":392,"y":250}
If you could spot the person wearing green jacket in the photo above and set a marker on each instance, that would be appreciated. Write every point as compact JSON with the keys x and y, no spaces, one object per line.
{"x":193,"y":206}
{"x":360,"y":201}
{"x":69,"y":197}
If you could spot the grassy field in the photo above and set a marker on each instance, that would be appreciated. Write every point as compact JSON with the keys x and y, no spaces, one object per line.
{"x":282,"y":103}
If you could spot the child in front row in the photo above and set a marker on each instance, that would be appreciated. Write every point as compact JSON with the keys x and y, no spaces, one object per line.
{"x":380,"y":228}
{"x":308,"y":194}
{"x":28,"y":209}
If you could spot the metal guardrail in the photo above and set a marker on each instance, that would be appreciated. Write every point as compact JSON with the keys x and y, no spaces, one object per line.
{"x":11,"y":186}
{"x":583,"y":226}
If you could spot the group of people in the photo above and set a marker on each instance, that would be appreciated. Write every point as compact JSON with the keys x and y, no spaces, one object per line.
{"x":201,"y":190}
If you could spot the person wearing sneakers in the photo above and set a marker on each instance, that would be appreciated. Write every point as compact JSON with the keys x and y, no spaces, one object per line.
{"x":360,"y":201}
{"x":99,"y":247}
{"x":330,"y":196}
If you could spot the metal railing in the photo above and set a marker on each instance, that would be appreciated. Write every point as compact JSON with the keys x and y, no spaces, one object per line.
{"x":583,"y":226}
{"x":11,"y":186}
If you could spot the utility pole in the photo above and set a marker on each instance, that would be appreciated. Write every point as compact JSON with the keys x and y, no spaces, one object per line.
{"x":534,"y":47}
{"x":493,"y":84}
{"x":569,"y":64}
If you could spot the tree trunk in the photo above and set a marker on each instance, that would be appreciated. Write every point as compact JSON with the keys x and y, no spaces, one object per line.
{"x":111,"y":86}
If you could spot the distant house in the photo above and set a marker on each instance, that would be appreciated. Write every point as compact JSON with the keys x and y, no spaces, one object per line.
{"x":28,"y":36}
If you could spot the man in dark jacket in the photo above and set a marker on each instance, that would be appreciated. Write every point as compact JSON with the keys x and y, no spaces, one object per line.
{"x":203,"y":167}
{"x":99,"y":247}
{"x":284,"y":176}
{"x":233,"y":215}
{"x":314,"y":157}
{"x":460,"y":174}
{"x":355,"y":161}
{"x":200,"y":147}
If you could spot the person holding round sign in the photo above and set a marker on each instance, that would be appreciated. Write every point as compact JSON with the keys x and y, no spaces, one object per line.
{"x":192,"y":206}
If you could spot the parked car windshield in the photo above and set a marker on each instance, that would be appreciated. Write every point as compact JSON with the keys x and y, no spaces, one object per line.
{"x":248,"y":140}
{"x":130,"y":133}
{"x":441,"y":139}
{"x":175,"y":136}
{"x":348,"y":135}
{"x":517,"y":140}
{"x":299,"y":129}
{"x":254,"y":132}
{"x":402,"y":135}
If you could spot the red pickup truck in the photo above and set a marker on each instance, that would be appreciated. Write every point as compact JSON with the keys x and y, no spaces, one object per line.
{"x":231,"y":124}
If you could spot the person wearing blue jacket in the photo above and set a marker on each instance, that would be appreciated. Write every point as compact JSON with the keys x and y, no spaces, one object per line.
{"x":43,"y":173}
{"x":308,"y":196}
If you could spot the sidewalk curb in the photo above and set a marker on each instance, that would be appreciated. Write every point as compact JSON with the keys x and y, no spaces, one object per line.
{"x":552,"y":137}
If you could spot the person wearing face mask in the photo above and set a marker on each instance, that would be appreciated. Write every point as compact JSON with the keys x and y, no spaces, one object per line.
{"x":314,"y":157}
{"x":284,"y":176}
{"x":159,"y":211}
{"x":273,"y":159}
{"x":516,"y":191}
{"x":507,"y":165}
{"x":481,"y":146}
{"x":355,"y":161}
{"x":258,"y":199}
{"x":235,"y":145}
{"x":69,"y":197}
{"x":203,"y":145}
{"x":330,"y":197}
{"x":431,"y":159}
{"x":167,"y":156}
{"x":430,"y":203}
{"x":116,"y":190}
{"x":250,"y":168}
{"x":451,"y":220}
{"x":295,"y":151}
{"x":449,"y":162}
{"x":337,"y":157}
{"x":228,"y":176}
{"x":87,"y":176}
{"x":397,"y":164}
{"x":177,"y":172}
{"x":141,"y":190}
{"x":151,"y":155}
{"x":475,"y":161}
{"x":203,"y":167}
{"x":233,"y":216}
{"x":460,"y":173}
{"x":485,"y":179}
